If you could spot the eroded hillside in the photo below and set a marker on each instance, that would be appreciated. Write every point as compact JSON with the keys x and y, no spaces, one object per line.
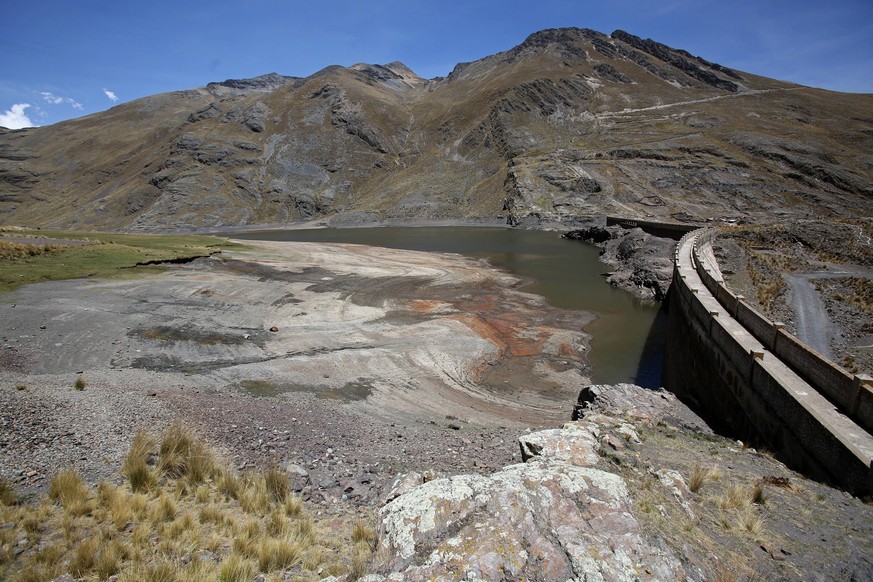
{"x":569,"y":123}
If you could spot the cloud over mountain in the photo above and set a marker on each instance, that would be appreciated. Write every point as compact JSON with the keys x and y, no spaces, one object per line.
{"x":15,"y":117}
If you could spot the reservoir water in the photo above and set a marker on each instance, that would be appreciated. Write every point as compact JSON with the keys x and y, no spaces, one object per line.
{"x":628,"y":335}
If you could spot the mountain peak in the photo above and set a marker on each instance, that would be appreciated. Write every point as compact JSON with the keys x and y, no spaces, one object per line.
{"x":549,"y":36}
{"x":395,"y":75}
{"x":571,"y":122}
{"x":262,"y":83}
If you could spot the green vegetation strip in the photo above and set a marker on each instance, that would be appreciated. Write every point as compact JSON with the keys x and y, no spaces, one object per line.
{"x":28,"y":256}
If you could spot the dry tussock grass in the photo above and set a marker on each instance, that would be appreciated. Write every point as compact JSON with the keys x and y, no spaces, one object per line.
{"x":176,"y":504}
{"x":12,"y":250}
{"x":700,"y":475}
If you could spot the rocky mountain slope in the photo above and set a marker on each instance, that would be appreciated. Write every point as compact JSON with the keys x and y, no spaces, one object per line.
{"x":569,"y":123}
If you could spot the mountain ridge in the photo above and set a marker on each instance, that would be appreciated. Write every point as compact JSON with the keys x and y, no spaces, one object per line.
{"x":570,"y":123}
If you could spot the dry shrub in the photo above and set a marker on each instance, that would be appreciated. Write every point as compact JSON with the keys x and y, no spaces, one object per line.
{"x":293,"y":505}
{"x":303,"y":527}
{"x":246,"y":539}
{"x":758,"y":496}
{"x":362,"y":533}
{"x":163,"y":571}
{"x":140,"y":538}
{"x":7,"y":494}
{"x":183,"y":454}
{"x":136,"y":468}
{"x":85,"y":557}
{"x":214,"y":543}
{"x":360,"y":561}
{"x":236,"y":568}
{"x":277,"y":483}
{"x":110,"y":557}
{"x":277,"y":553}
{"x":175,"y":449}
{"x":164,"y":509}
{"x":278,"y":524}
{"x":202,"y":494}
{"x":44,"y":565}
{"x":148,"y":535}
{"x":698,"y":477}
{"x":12,"y":250}
{"x":200,"y":463}
{"x":751,"y":523}
{"x":211,"y":514}
{"x":254,"y":497}
{"x":139,"y":504}
{"x":182,"y":526}
{"x":68,"y":489}
{"x":32,"y":522}
{"x":228,"y":483}
{"x":736,"y":497}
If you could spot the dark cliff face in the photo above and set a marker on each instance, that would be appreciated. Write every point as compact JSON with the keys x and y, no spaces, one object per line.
{"x":571,"y":122}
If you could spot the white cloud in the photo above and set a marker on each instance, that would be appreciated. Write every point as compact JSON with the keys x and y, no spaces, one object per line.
{"x":53,"y":99}
{"x":111,"y":95}
{"x":50,"y":97}
{"x":16,"y":118}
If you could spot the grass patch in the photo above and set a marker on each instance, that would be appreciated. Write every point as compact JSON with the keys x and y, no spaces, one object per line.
{"x":701,"y":475}
{"x":109,"y":254}
{"x":7,"y":494}
{"x":140,"y":476}
{"x":68,"y":489}
{"x":155,"y":526}
{"x":79,"y":384}
{"x":13,"y":250}
{"x":182,"y":454}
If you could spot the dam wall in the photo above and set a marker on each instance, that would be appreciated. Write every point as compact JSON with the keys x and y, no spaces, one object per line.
{"x":662,"y":229}
{"x":759,"y":383}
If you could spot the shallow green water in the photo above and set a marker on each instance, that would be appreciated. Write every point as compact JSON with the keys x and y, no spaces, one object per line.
{"x":628,"y":335}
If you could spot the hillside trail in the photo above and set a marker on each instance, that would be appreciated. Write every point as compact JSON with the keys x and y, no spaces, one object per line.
{"x":814,"y":326}
{"x":748,"y":93}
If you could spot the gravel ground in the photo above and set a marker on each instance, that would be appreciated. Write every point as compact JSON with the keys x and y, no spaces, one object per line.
{"x":49,"y":424}
{"x":350,"y":458}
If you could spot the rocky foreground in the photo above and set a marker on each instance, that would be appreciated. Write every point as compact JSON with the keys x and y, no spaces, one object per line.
{"x":636,"y":489}
{"x":398,"y":386}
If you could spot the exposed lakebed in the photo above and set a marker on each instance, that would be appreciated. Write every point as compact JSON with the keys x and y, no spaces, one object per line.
{"x":628,"y":334}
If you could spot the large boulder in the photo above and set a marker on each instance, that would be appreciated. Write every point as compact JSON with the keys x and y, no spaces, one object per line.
{"x":555,"y":517}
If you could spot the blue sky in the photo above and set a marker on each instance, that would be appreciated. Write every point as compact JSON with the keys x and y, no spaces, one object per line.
{"x":68,"y":58}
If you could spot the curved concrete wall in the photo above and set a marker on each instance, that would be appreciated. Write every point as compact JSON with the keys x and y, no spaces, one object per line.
{"x":720,"y":355}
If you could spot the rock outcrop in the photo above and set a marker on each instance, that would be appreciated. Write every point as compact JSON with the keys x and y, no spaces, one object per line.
{"x":554,"y":517}
{"x":643,"y":263}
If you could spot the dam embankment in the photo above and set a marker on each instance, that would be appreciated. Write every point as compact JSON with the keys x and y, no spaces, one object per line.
{"x":759,"y":383}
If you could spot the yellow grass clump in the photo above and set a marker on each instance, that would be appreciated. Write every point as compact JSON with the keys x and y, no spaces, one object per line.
{"x":179,"y":516}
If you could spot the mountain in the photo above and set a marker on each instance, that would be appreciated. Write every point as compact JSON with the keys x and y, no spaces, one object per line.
{"x":570,"y":123}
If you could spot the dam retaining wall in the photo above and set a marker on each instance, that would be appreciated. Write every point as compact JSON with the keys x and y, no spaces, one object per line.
{"x":757,"y":382}
{"x":662,"y":229}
